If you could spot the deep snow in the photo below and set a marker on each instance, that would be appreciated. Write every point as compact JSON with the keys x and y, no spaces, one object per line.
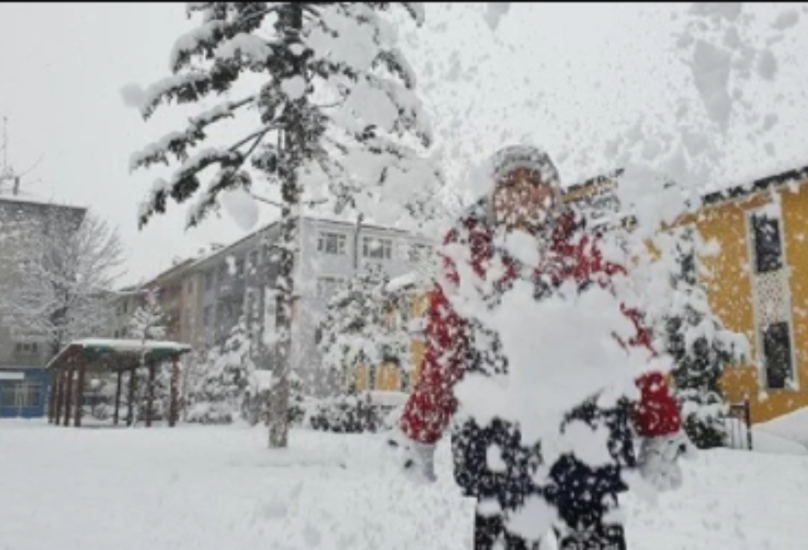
{"x":209,"y":488}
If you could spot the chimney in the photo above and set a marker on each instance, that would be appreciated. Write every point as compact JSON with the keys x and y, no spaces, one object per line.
{"x":16,"y":190}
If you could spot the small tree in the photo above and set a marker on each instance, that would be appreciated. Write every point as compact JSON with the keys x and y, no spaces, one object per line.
{"x":700,"y":346}
{"x":361,"y":329}
{"x":225,"y":380}
{"x":148,"y":323}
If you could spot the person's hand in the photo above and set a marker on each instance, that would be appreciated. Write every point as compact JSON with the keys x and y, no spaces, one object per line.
{"x":659,"y":460}
{"x":416,"y":460}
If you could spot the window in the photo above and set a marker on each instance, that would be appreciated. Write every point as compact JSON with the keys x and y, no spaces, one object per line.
{"x":767,"y":245}
{"x":8,"y":394}
{"x":206,"y":316}
{"x":777,"y":355}
{"x":380,"y":249}
{"x":189,"y":287}
{"x":209,"y":280}
{"x":331,"y":243}
{"x":253,"y":265}
{"x":419,"y":253}
{"x":222,"y":274}
{"x":20,"y":395}
{"x":328,"y":286}
{"x":253,"y":302}
{"x":26,"y":348}
{"x":240,"y":267}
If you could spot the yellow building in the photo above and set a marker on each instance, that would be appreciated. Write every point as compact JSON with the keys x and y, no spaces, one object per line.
{"x":758,"y":284}
{"x":758,"y":287}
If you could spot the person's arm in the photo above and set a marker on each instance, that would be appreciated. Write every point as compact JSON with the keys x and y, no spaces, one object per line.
{"x":656,"y":412}
{"x":432,"y":403}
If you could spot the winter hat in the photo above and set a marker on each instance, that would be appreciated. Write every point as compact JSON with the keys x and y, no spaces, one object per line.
{"x":526,"y":157}
{"x":515,"y":157}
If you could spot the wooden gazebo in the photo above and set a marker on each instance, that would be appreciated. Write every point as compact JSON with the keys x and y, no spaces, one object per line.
{"x":117,"y":356}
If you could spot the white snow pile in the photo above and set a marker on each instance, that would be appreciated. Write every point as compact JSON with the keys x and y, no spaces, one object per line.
{"x":793,"y":427}
{"x":763,"y":441}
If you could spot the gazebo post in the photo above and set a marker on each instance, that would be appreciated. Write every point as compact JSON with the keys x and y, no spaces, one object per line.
{"x":80,"y":390}
{"x":150,"y":399}
{"x":68,"y":395}
{"x":174,"y":405}
{"x":130,"y":419}
{"x":54,"y":380}
{"x":60,"y":395}
{"x":118,"y":397}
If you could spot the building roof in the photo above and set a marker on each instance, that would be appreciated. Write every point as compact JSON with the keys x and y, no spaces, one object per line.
{"x":24,"y":197}
{"x":111,"y":354}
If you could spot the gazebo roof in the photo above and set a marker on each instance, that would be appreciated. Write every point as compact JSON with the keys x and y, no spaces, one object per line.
{"x":110,"y":354}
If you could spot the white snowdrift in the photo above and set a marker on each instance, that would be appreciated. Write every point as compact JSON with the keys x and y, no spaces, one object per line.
{"x":793,"y":427}
{"x":209,"y":488}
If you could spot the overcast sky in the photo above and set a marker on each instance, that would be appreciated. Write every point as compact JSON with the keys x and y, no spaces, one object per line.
{"x":568,"y":77}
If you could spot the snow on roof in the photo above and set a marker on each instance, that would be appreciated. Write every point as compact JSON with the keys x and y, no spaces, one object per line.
{"x":131,"y":345}
{"x":29,"y":198}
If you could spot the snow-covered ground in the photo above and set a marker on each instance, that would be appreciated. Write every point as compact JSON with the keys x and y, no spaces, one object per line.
{"x":214,"y":488}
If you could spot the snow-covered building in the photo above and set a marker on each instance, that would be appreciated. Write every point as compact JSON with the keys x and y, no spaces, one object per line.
{"x":23,"y":386}
{"x":205,"y":297}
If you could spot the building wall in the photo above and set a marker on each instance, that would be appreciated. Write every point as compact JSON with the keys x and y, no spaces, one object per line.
{"x":316,"y":265}
{"x":741,"y":308}
{"x":24,"y":392}
{"x":18,"y":221}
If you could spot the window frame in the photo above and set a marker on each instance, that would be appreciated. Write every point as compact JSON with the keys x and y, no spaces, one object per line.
{"x":790,"y":375}
{"x":754,"y":217}
{"x":386,"y":251}
{"x":340,"y":242}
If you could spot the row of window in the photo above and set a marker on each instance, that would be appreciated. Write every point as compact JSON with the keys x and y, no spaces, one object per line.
{"x":20,"y":395}
{"x":26,"y":348}
{"x":377,"y":248}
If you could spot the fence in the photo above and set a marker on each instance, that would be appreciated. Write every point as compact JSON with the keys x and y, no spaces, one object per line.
{"x":739,"y":426}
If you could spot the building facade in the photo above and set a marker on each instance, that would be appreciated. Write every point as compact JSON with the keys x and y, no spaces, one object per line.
{"x":23,"y":386}
{"x":205,"y":298}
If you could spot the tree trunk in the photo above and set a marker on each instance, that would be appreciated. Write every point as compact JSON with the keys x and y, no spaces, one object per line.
{"x":291,"y":154}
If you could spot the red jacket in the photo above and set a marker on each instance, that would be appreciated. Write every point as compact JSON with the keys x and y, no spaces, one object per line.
{"x":432,"y":403}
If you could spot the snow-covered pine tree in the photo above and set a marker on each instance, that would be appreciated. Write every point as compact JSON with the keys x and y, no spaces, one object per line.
{"x":227,"y":376}
{"x":361,"y":329}
{"x":148,"y":322}
{"x":334,"y":102}
{"x":699,"y":344}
